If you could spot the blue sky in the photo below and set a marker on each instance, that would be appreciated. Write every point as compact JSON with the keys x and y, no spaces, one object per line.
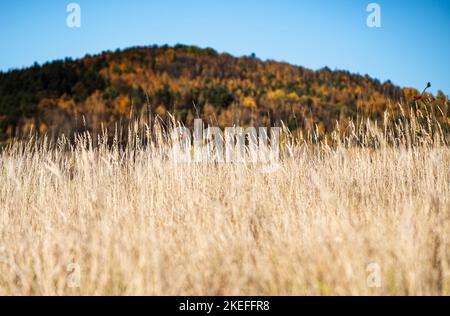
{"x":411,"y":47}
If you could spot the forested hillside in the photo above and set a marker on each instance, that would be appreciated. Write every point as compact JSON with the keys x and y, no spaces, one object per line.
{"x":71,"y":95}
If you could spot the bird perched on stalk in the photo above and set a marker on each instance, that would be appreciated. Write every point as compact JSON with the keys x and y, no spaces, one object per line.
{"x":419,"y":97}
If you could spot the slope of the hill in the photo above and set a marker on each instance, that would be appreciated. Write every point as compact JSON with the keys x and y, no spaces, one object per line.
{"x":65,"y":96}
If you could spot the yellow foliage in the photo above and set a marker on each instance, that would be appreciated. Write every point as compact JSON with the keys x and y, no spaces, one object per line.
{"x":293,"y":96}
{"x":280,"y":94}
{"x":410,"y":92}
{"x":277,"y":94}
{"x":160,"y":110}
{"x":43,"y":128}
{"x":66,"y":104}
{"x":123,"y":103}
{"x":249,"y":102}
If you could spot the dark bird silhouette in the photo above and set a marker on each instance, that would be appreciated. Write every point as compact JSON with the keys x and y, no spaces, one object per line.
{"x":419,"y":97}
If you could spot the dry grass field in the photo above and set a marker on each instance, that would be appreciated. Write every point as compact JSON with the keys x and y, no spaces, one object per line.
{"x":91,"y":218}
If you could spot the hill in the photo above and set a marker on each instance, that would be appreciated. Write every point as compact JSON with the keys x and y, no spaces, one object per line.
{"x":69,"y":95}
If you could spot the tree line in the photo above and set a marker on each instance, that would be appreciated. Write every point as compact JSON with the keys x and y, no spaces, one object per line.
{"x":68,"y":95}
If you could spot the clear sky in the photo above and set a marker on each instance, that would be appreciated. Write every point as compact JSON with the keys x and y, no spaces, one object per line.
{"x":411,"y":47}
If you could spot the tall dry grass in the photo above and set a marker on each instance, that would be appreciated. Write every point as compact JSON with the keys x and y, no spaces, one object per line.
{"x":128,"y":220}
